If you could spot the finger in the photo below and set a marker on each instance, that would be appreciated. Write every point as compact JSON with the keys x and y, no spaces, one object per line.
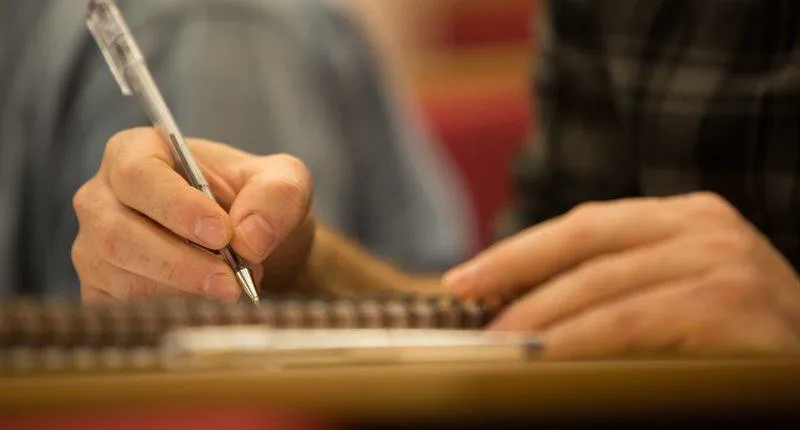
{"x":585,"y":232}
{"x":275,"y":200}
{"x":608,"y":277}
{"x":131,"y":242}
{"x":225,"y":179}
{"x":683,"y":316}
{"x":140,"y":171}
{"x":560,"y":244}
{"x":119,"y":285}
{"x":223,"y":192}
{"x":88,"y":268}
{"x":130,"y":287}
{"x":648,"y":321}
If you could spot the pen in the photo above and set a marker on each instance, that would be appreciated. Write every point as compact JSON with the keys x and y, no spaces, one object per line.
{"x":127,"y":63}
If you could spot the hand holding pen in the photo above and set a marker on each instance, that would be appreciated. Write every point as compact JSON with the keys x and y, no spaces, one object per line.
{"x":137,"y":213}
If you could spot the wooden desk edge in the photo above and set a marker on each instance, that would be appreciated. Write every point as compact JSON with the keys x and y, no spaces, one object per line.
{"x":538,"y":390}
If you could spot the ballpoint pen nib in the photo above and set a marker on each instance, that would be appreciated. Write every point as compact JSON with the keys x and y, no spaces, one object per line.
{"x":246,"y":279}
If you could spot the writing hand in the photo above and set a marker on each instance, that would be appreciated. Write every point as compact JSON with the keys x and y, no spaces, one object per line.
{"x":137,"y":214}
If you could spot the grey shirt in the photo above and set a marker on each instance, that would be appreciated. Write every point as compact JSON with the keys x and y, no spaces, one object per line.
{"x":278,"y":76}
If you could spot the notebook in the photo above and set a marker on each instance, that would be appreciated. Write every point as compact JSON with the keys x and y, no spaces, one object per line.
{"x":56,"y":336}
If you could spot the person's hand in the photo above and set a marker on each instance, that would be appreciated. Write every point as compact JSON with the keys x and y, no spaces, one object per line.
{"x":685,"y":274}
{"x":141,"y":222}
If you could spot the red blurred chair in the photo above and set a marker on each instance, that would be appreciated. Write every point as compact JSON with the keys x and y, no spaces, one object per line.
{"x":476,"y":96}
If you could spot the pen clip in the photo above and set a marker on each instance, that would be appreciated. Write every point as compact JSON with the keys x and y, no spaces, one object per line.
{"x":109,"y":29}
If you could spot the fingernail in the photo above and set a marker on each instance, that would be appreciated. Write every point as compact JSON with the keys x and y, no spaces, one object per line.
{"x":222,"y":286}
{"x":211,"y":231}
{"x":258,"y":235}
{"x":461,"y":280}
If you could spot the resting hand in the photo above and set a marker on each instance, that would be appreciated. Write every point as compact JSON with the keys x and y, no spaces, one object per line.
{"x":138,"y":216}
{"x":686,"y":274}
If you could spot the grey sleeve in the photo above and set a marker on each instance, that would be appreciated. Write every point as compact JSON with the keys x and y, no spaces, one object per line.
{"x":409,"y":203}
{"x":252,"y":74}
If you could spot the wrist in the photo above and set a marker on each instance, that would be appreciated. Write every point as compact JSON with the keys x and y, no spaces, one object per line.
{"x":339,"y":266}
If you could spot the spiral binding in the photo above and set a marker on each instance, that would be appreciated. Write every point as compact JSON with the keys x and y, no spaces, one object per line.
{"x":51,"y":336}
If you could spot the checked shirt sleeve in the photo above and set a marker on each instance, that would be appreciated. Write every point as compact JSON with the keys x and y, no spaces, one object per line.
{"x":581,"y":150}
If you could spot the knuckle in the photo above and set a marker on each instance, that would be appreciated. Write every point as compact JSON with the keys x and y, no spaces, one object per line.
{"x":80,"y":200}
{"x":710,"y":204}
{"x":746,"y":277}
{"x":298,"y":168}
{"x":169,"y":271}
{"x":626,"y":319}
{"x":112,"y":238}
{"x":122,"y":138}
{"x":704,"y":335}
{"x":584,"y":219}
{"x":76,"y":254}
{"x":586,"y":209}
{"x":118,"y":143}
{"x":290,"y":160}
{"x":126,"y":171}
{"x":736,"y":288}
{"x":604,"y":272}
{"x":80,"y":262}
{"x":733,"y":244}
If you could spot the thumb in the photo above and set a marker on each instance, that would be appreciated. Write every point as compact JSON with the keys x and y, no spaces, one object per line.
{"x":275,"y":198}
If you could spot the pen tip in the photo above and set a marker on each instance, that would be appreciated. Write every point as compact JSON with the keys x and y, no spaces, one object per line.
{"x":248,"y":284}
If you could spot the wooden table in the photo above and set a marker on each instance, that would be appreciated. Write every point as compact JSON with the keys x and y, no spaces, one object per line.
{"x":533,"y":392}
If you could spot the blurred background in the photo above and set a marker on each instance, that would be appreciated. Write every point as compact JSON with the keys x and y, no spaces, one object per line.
{"x":419,"y":182}
{"x":467,"y":66}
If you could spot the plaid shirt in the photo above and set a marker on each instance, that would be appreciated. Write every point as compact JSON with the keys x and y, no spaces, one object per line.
{"x":654,"y":98}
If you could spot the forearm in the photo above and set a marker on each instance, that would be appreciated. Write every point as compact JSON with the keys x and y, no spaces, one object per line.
{"x":340,"y":266}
